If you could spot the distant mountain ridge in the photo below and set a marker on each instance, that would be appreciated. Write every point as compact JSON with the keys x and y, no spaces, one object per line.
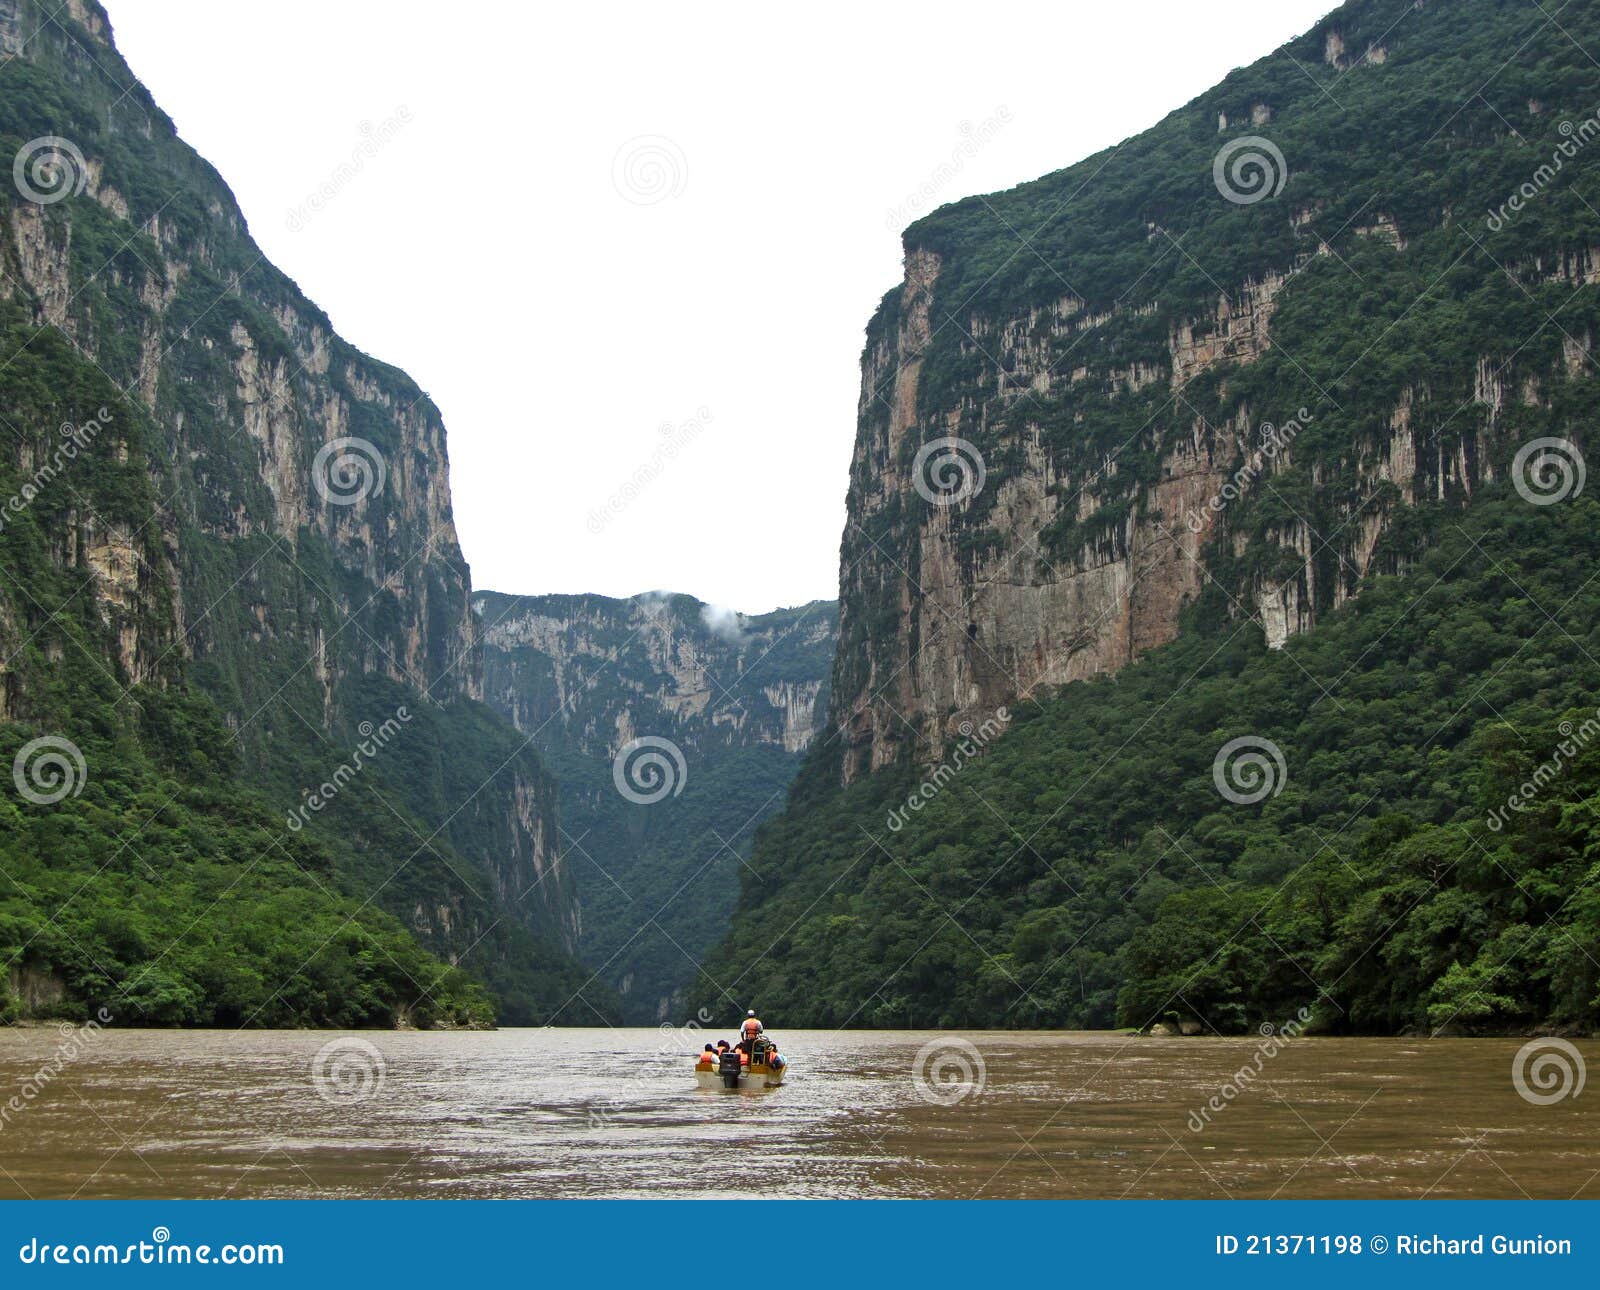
{"x":739,"y":699}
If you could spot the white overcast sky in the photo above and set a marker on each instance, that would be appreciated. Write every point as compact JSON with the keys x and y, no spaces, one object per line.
{"x":486,"y":247}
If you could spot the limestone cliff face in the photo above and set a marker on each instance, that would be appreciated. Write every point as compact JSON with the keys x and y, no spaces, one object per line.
{"x":977,"y":626}
{"x":597,"y":672}
{"x":248,"y":384}
{"x":301,"y":561}
{"x":738,"y":698}
{"x":1100,"y":399}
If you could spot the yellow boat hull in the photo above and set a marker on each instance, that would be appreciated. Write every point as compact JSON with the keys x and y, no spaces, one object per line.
{"x":757,"y":1076}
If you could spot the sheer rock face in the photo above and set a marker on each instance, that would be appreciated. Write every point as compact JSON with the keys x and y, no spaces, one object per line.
{"x":972,"y":631}
{"x":1141,"y":441}
{"x":937,"y":630}
{"x":305,"y":542}
{"x":246,"y":383}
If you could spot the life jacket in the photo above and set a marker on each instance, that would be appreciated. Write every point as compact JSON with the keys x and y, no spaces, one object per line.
{"x":752,"y":1027}
{"x":744,"y":1058}
{"x":707,"y":1056}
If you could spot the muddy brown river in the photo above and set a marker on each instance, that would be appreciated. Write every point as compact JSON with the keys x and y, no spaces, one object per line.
{"x":543,"y":1113}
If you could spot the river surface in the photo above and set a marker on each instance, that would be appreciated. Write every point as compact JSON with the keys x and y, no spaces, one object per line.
{"x":599,"y":1112}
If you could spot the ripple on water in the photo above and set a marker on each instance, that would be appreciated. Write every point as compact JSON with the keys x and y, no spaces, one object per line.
{"x":594,"y":1112}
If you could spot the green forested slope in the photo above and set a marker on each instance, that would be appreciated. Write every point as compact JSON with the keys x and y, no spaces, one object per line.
{"x":205,"y":565}
{"x":1369,"y":887}
{"x":1105,"y":336}
{"x":1363,"y":281}
{"x":159,"y":886}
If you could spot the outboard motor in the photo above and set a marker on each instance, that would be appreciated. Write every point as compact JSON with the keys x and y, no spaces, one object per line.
{"x":729,"y":1066}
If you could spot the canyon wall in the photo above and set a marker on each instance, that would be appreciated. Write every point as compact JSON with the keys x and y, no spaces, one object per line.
{"x":1266,"y":428}
{"x":1097,"y":398}
{"x":298,"y":561}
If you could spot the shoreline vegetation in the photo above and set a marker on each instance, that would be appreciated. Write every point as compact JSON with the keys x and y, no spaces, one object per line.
{"x":1160,"y":1030}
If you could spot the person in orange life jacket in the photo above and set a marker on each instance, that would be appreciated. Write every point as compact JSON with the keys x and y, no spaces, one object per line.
{"x":708,"y":1054}
{"x":752,"y":1026}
